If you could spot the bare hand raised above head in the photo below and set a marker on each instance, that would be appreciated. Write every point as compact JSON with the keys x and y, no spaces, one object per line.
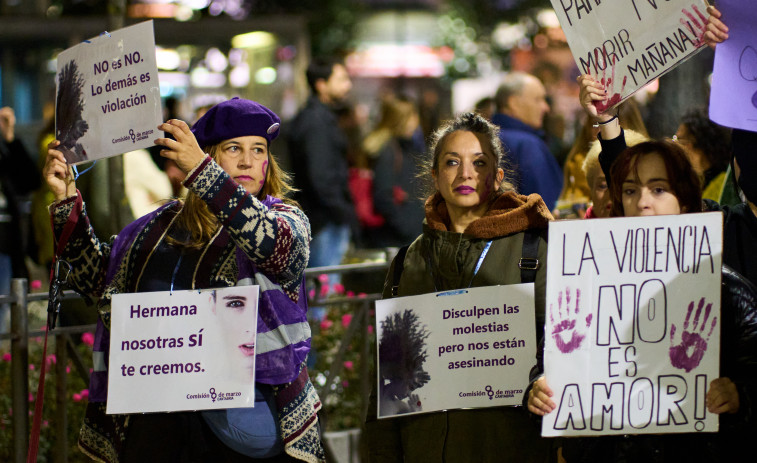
{"x":591,"y":91}
{"x":57,"y":173}
{"x":184,"y":150}
{"x":717,"y":31}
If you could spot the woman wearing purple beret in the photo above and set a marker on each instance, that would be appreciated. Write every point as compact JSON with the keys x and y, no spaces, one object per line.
{"x":236,"y":227}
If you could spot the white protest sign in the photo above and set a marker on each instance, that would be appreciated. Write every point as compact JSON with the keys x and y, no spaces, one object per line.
{"x":632,"y":336}
{"x":625,"y":45}
{"x":186,"y":350}
{"x":108,"y":96}
{"x":455,"y":349}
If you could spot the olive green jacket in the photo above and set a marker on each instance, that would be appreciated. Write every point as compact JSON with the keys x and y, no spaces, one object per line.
{"x":499,"y":434}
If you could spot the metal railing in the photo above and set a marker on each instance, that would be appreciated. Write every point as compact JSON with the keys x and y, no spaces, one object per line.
{"x":20,"y":334}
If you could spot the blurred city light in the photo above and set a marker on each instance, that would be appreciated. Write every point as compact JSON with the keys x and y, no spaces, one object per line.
{"x":240,"y":75}
{"x":257,"y":39}
{"x":265,"y":76}
{"x":506,"y":36}
{"x":396,"y":60}
{"x":201,"y":77}
{"x":547,"y":18}
{"x":167,"y":59}
{"x":216,"y":60}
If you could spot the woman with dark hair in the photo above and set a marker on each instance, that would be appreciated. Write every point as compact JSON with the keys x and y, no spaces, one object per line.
{"x":473,"y":235}
{"x":236,"y":227}
{"x":708,"y":147}
{"x":679,"y":190}
{"x":656,"y":178}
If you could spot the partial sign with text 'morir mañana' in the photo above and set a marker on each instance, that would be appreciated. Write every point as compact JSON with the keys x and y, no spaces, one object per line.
{"x":628,"y":44}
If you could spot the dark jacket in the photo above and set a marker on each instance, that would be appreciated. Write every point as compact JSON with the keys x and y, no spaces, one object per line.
{"x":396,"y":194}
{"x":318,"y":150}
{"x":535,"y":167}
{"x":498,"y":434}
{"x":18,"y":177}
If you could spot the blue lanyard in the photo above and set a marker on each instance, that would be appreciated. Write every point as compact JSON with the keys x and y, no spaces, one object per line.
{"x":480,"y":261}
{"x":481,"y":257}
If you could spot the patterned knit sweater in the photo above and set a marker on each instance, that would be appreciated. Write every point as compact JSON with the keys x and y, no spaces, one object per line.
{"x":259,"y":242}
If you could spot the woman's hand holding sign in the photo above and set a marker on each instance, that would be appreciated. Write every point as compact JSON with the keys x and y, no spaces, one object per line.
{"x":184,"y":149}
{"x":540,"y":398}
{"x":57,"y":173}
{"x":723,"y":397}
{"x":717,"y":31}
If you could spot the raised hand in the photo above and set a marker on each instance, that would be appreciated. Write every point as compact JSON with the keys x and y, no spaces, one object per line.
{"x":717,"y":31}
{"x":567,"y":329}
{"x":184,"y":149}
{"x":687,"y":354}
{"x":57,"y":173}
{"x":591,"y":91}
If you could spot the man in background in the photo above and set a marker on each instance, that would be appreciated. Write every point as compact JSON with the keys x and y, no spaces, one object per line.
{"x":318,"y":149}
{"x":521,"y":106}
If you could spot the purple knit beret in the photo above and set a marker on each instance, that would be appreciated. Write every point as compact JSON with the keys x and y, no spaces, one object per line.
{"x":233,"y":118}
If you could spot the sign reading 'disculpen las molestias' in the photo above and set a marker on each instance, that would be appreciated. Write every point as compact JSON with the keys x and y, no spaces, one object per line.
{"x":456,"y":349}
{"x":632,"y":336}
{"x":107,"y":95}
{"x":182,"y":350}
{"x":627,"y":44}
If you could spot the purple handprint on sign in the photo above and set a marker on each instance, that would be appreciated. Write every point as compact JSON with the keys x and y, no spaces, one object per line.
{"x":693,"y":345}
{"x":566,"y":332}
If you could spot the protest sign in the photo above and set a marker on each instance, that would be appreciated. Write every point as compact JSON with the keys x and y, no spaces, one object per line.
{"x":457,"y":349}
{"x":182,"y":350}
{"x":108,"y":96}
{"x":733,"y":99}
{"x":626,"y":45}
{"x":632,"y":335}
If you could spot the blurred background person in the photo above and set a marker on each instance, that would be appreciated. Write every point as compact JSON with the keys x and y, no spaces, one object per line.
{"x":577,"y":188}
{"x":394,"y":146}
{"x":18,"y":177}
{"x":708,"y":147}
{"x":521,"y":106}
{"x":486,"y":107}
{"x":599,"y":195}
{"x":318,"y":150}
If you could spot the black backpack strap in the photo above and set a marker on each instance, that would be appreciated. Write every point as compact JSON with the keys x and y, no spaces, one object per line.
{"x":399,"y":265}
{"x":529,"y":262}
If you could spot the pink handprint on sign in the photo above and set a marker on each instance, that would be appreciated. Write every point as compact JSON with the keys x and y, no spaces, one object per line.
{"x":696,"y":24}
{"x":693,"y":344}
{"x":566,"y":331}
